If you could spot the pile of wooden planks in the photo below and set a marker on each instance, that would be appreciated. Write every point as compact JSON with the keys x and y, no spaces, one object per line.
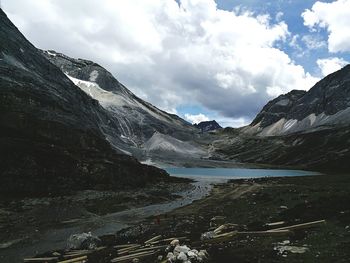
{"x":221,"y":236}
{"x":151,"y":247}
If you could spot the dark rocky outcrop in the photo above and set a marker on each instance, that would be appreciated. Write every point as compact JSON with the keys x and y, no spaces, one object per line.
{"x":278,"y":108}
{"x":325,"y":150}
{"x":206,"y":126}
{"x":314,"y":134}
{"x":52,"y":135}
{"x":328,"y":96}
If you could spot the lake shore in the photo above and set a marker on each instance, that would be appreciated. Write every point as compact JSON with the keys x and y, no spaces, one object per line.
{"x":34,"y":225}
{"x":252,"y":203}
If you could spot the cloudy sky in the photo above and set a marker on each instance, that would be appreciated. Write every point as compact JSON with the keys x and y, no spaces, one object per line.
{"x":201,"y":59}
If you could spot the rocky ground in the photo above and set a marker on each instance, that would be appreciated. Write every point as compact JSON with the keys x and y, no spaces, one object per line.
{"x":26,"y":222}
{"x":252,"y":204}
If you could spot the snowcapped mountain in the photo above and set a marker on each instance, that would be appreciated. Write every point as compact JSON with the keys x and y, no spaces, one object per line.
{"x":136,"y":119}
{"x":326,"y":105}
{"x":206,"y":126}
{"x":52,"y":134}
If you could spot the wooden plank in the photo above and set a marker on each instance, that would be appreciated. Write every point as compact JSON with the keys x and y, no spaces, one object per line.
{"x":221,"y":238}
{"x":266,"y":233}
{"x":78,"y":259}
{"x":168,"y":240}
{"x":127,"y":249}
{"x":76,"y":251}
{"x":125,"y":246}
{"x":44,"y":259}
{"x":69,"y":256}
{"x":132,"y":256}
{"x":276,"y":223}
{"x":153,"y":239}
{"x":224,"y":227}
{"x":150,"y":248}
{"x":300,"y":226}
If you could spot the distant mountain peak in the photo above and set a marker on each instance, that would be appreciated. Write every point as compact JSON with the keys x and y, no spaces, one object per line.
{"x":206,"y":126}
{"x":325,"y":105}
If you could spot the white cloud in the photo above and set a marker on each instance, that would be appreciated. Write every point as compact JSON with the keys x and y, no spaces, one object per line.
{"x":330,"y":65}
{"x":335,"y":17}
{"x":171,"y":54}
{"x":196,"y":118}
{"x":313,"y":42}
{"x":232,"y":122}
{"x":279,"y":16}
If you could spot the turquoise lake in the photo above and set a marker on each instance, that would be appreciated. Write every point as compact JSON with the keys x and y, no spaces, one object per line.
{"x":234,"y":173}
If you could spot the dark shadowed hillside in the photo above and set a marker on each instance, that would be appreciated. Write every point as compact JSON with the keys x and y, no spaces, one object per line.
{"x":52,"y":135}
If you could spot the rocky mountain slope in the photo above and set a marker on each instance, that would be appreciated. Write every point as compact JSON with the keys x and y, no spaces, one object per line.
{"x":306,"y":129}
{"x":325,"y":105}
{"x":137,"y":120}
{"x":52,"y":134}
{"x":206,"y":126}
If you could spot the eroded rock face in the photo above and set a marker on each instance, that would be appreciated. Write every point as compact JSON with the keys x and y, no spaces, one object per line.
{"x":137,"y":119}
{"x":52,"y":135}
{"x":327,"y":104}
{"x":206,"y":126}
{"x":326,"y":150}
{"x":305,"y":129}
{"x":278,"y":108}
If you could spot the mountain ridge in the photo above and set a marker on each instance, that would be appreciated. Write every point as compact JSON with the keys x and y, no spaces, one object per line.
{"x":138,"y":119}
{"x":309,"y":130}
{"x":52,"y":134}
{"x":326,"y":104}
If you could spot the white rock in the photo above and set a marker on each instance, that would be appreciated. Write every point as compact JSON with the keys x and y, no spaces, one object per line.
{"x":182,"y":256}
{"x":203,"y":254}
{"x":191,"y":254}
{"x":175,"y":242}
{"x":179,"y":249}
{"x":170,"y":256}
{"x":195,"y":251}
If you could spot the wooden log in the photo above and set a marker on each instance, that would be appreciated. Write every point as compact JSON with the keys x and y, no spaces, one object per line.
{"x":153,"y":239}
{"x":69,"y":256}
{"x":127,"y":249}
{"x":76,"y":251}
{"x":125,"y":246}
{"x":300,"y":226}
{"x":168,"y":240}
{"x":275,"y":223}
{"x":149,"y":248}
{"x":44,"y":259}
{"x":224,"y":227}
{"x":78,"y":259}
{"x":132,"y":256}
{"x":221,"y":238}
{"x":266,"y":233}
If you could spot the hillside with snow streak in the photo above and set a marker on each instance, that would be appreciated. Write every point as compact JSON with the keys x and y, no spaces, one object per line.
{"x":135,"y":119}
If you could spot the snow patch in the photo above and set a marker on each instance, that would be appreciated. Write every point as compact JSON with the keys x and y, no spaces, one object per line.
{"x":284,"y":102}
{"x":50,"y":53}
{"x":93,"y":75}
